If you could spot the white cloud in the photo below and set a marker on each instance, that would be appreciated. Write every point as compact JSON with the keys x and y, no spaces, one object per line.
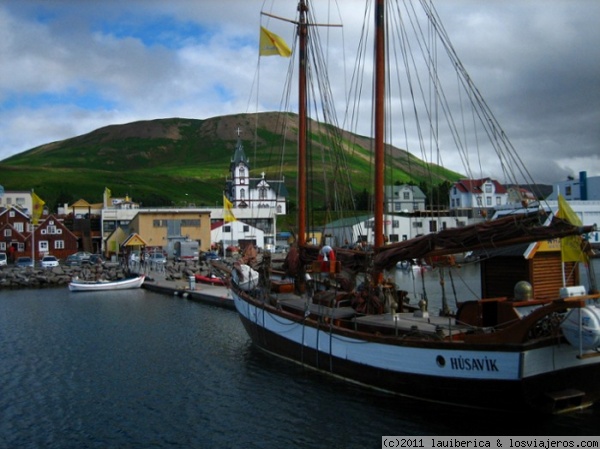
{"x":71,"y":67}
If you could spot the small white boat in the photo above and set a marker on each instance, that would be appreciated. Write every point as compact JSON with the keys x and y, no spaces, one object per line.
{"x":77,"y":285}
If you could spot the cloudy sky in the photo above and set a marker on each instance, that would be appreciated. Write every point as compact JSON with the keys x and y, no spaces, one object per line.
{"x":71,"y":66}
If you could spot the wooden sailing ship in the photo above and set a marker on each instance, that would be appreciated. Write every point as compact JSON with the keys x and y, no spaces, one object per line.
{"x":508,"y":351}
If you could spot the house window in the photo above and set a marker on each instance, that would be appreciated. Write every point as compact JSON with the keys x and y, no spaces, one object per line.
{"x":18,"y":227}
{"x":479,"y":202}
{"x":498,"y":201}
{"x":2,"y":246}
{"x":407,"y":195}
{"x":43,"y":246}
{"x":11,"y":214}
{"x":242,"y":194}
{"x":432,"y":226}
{"x":262,"y":193}
{"x":59,"y":244}
{"x":51,"y":230}
{"x":568,"y":190}
{"x":488,"y":188}
{"x":246,"y":228}
{"x":488,"y":200}
{"x":227,"y":229}
{"x":8,"y":233}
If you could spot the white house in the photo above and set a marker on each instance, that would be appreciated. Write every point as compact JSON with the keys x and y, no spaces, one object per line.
{"x":485,"y":193}
{"x":16,"y":198}
{"x":404,"y":198}
{"x":236,"y":233}
{"x":359,"y":230}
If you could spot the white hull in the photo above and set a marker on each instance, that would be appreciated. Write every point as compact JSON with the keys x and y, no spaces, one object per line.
{"x":95,"y":286}
{"x":486,"y":376}
{"x":465,"y":364}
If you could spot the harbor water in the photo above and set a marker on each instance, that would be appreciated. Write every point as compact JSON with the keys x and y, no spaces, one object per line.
{"x":136,"y":369}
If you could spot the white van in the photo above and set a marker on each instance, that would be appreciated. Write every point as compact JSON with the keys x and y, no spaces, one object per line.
{"x":3,"y":260}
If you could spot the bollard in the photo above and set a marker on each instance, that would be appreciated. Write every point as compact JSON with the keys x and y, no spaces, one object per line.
{"x":192,"y":282}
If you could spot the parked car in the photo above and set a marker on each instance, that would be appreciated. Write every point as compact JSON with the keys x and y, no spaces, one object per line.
{"x":78,"y":258}
{"x":84,"y":256}
{"x":24,"y":262}
{"x":49,"y":262}
{"x":3,"y":260}
{"x":96,"y":259}
{"x":156,"y":258}
{"x":72,"y":260}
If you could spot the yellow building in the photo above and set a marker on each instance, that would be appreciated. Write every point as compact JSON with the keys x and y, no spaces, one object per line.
{"x":162,"y":228}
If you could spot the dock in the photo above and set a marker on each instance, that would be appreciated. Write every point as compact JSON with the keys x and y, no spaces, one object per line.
{"x":215,"y":295}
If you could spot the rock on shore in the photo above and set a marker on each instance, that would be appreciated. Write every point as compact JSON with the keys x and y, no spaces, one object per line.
{"x":15,"y":277}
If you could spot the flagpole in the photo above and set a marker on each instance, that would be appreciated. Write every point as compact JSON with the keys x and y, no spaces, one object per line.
{"x":562,"y":262}
{"x":33,"y":243}
{"x":32,"y":230}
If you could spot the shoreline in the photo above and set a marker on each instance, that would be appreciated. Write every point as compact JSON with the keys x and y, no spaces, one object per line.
{"x":172,"y":273}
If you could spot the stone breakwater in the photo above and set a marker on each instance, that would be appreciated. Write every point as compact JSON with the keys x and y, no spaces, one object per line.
{"x":16,"y":277}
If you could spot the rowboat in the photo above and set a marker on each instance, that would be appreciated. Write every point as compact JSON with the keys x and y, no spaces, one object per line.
{"x":209,"y":279}
{"x":78,"y":285}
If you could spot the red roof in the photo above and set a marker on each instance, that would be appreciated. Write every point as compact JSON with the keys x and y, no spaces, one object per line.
{"x":474,"y":185}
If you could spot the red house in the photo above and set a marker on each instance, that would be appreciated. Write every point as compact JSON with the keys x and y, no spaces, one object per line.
{"x":52,"y":237}
{"x":14,"y":229}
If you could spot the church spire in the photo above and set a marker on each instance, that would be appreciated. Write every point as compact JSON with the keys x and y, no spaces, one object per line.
{"x":239,"y":156}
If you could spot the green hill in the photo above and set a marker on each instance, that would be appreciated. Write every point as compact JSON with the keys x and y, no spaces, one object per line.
{"x":168,"y":162}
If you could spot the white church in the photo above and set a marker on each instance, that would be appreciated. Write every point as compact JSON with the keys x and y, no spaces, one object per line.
{"x":246,"y":192}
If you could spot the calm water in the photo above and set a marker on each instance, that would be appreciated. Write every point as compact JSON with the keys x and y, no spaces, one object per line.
{"x":137,"y":369}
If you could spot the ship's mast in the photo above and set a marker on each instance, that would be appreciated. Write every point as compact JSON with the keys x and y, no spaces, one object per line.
{"x":379,"y":118}
{"x":302,"y":113}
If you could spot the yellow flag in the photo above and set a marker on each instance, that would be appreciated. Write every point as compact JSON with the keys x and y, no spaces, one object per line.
{"x":570,"y":247}
{"x":271,"y":44}
{"x":38,"y":208}
{"x":227,"y":212}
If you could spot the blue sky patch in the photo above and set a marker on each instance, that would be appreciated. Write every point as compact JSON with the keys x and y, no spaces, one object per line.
{"x":158,"y":31}
{"x":85,"y":100}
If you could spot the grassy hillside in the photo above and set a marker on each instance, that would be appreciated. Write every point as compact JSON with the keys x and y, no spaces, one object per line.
{"x":173,"y":161}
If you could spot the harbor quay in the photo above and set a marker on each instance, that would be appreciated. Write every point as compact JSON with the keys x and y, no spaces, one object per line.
{"x":187,"y":288}
{"x":173,"y":278}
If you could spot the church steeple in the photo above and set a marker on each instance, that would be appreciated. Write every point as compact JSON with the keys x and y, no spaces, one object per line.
{"x":240,"y":175}
{"x":254,"y":193}
{"x":239,"y":156}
